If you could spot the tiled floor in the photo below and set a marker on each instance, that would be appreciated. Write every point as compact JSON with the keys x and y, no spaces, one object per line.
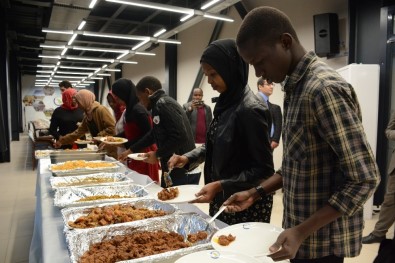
{"x":17,"y":206}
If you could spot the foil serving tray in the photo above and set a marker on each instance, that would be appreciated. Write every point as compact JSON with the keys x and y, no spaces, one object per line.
{"x":82,"y":171}
{"x":189,"y":223}
{"x":73,"y":213}
{"x":71,"y":196}
{"x":88,"y":180}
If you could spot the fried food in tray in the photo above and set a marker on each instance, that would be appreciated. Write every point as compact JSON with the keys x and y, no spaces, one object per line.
{"x":90,"y":195}
{"x":109,"y":214}
{"x":168,"y":193}
{"x":200,"y":235}
{"x":81,"y":164}
{"x":89,"y":179}
{"x":155,"y":240}
{"x":135,"y":245}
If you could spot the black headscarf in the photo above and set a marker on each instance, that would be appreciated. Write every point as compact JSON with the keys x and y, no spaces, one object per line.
{"x":222,"y":55}
{"x":126,"y":91}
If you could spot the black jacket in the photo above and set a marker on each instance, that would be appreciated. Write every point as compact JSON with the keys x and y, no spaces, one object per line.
{"x":277,"y":119}
{"x":171,"y":130}
{"x":241,"y":156}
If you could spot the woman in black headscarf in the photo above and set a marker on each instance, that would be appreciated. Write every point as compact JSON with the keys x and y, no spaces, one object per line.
{"x":136,"y":124}
{"x":237,"y":152}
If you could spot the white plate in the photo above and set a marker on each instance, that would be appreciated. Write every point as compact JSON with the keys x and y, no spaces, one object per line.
{"x":186,"y":193}
{"x":208,"y":256}
{"x":253,"y":238}
{"x":135,"y":156}
{"x":121,"y":140}
{"x":83,"y":141}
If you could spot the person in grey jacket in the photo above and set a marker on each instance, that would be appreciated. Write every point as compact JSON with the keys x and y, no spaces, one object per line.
{"x":171,"y":131}
{"x":199,"y":115}
{"x":237,"y":152}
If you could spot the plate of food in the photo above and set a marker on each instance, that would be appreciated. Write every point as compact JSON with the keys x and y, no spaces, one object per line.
{"x":178,"y":194}
{"x":252,"y":238}
{"x":137,"y":156}
{"x":113,"y":140}
{"x":79,"y":141}
{"x":217,"y":257}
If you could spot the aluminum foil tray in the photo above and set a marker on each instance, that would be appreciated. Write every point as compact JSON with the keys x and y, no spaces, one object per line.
{"x":42,"y":154}
{"x":88,"y":180}
{"x":70,"y":196}
{"x":81,"y":171}
{"x":70,"y":155}
{"x":79,"y":241}
{"x":72,"y":213}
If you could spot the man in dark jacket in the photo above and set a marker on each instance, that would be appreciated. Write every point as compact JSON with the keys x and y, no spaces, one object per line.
{"x":265,"y":89}
{"x":171,"y":130}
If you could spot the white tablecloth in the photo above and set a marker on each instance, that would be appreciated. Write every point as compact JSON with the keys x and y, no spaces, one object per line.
{"x":48,"y":242}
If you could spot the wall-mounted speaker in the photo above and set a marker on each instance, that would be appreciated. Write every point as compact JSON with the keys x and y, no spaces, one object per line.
{"x":326,"y":34}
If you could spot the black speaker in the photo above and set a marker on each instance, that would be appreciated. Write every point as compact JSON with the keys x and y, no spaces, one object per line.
{"x":326,"y":34}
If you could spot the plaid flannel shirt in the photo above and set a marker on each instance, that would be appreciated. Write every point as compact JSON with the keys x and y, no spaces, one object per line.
{"x":327,"y":158}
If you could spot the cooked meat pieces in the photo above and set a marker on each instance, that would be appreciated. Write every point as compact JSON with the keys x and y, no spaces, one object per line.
{"x":224,"y":240}
{"x":114,"y":214}
{"x":136,"y":245}
{"x":168,"y":193}
{"x":200,"y":235}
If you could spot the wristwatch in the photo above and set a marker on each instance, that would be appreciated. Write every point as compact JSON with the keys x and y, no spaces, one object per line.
{"x":261,"y":192}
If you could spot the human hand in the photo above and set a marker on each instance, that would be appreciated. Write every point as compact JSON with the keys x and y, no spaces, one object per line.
{"x":150,"y":157}
{"x":57,"y":144}
{"x":239,"y":202}
{"x":287,"y":244}
{"x":124,"y":155}
{"x":207,"y":193}
{"x":273,"y":145}
{"x":177,"y":161}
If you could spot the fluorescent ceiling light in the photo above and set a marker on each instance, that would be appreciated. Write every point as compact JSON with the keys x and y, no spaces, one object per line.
{"x":153,"y":6}
{"x":122,"y":55}
{"x":209,"y":3}
{"x":145,"y":53}
{"x":48,"y":56}
{"x":113,"y":50}
{"x":170,"y":41}
{"x":72,"y":39}
{"x":141,"y":44}
{"x":218,"y":17}
{"x":119,"y":36}
{"x":67,"y":32}
{"x":53,"y":46}
{"x":44,"y":71}
{"x":67,"y":77}
{"x":103,"y":74}
{"x":127,"y":62}
{"x":58,"y":63}
{"x":184,"y":18}
{"x":160,"y":32}
{"x":90,"y":59}
{"x":95,"y":78}
{"x":64,"y":51}
{"x":104,"y":66}
{"x":73,"y":73}
{"x":92,"y":4}
{"x":45,"y":66}
{"x":113,"y":69}
{"x":82,"y":68}
{"x":87,"y":81}
{"x":82,"y":24}
{"x":42,"y":76}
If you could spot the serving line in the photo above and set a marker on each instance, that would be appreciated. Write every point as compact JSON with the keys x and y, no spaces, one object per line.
{"x":48,"y":241}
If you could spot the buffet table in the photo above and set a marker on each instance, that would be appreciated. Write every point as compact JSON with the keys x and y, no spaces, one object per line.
{"x":48,"y":242}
